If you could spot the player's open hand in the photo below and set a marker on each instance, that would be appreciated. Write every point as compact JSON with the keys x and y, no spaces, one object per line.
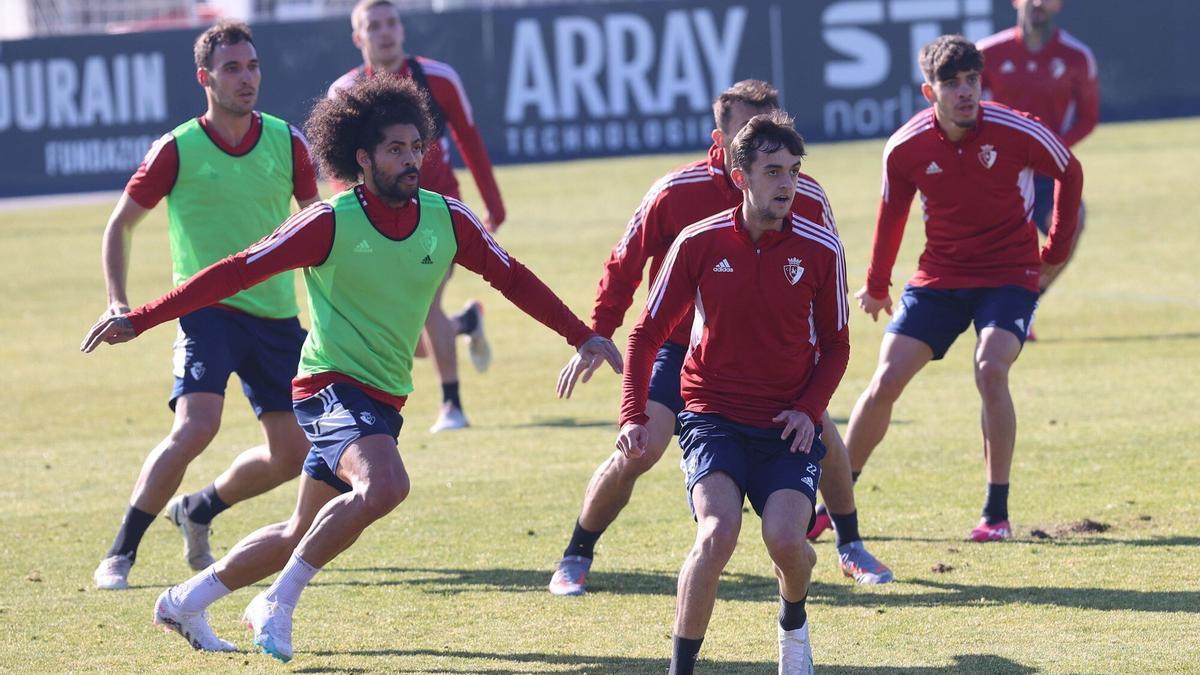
{"x":632,"y":440}
{"x":114,"y":309}
{"x":113,"y":330}
{"x":872,"y":305}
{"x":796,"y":422}
{"x":592,"y":354}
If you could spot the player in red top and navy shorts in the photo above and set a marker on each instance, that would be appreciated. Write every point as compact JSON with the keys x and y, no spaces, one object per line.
{"x":1043,"y":70}
{"x":686,"y":195}
{"x":379,"y":35}
{"x":769,"y":292}
{"x":973,"y":164}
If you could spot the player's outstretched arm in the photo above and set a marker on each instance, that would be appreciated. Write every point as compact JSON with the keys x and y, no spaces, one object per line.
{"x":632,"y":440}
{"x":591,"y":355}
{"x":111,"y":329}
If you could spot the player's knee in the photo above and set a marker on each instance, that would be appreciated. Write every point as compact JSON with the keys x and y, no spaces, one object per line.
{"x":631,"y":468}
{"x":192,"y":436}
{"x":887,"y":386}
{"x":716,"y":543}
{"x":788,"y":547}
{"x":385,"y":493}
{"x":991,"y":377}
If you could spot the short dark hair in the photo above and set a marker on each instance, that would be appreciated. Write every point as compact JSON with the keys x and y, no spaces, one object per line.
{"x":362,"y":6}
{"x":947,"y":56}
{"x":754,"y":93}
{"x":355,"y":118}
{"x":765,"y":134}
{"x":226,"y":32}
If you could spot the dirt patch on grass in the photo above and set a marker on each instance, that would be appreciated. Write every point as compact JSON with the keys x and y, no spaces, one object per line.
{"x":1085,"y":526}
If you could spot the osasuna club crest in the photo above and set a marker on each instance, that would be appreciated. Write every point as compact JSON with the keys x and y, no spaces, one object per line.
{"x":987,"y":155}
{"x":197,"y":370}
{"x":793,"y":270}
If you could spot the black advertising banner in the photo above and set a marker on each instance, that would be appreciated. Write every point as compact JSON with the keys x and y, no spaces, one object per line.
{"x":551,"y":83}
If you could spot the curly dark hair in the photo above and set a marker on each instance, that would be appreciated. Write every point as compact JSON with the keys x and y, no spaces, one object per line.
{"x":947,"y":56}
{"x":225,"y":32}
{"x":754,"y":93}
{"x":765,"y":134}
{"x":356,"y":117}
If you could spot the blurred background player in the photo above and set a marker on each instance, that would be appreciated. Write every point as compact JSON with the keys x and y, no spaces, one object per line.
{"x":981,"y":262}
{"x":228,"y":177}
{"x":1041,"y":69}
{"x":379,"y":35}
{"x":688,"y":194}
{"x":370,"y":281}
{"x":768,"y":288}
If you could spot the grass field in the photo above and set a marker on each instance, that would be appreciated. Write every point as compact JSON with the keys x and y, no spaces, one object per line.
{"x":454,"y":580}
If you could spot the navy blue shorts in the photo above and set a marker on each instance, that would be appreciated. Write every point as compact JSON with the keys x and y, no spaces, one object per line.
{"x":937,"y":316}
{"x":335,"y":417}
{"x":1043,"y":201}
{"x":664,"y":379}
{"x":757,"y":459}
{"x":213,"y":343}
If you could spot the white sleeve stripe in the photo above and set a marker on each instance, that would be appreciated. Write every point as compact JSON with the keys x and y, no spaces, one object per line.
{"x":819,"y":234}
{"x":1035,"y":127}
{"x":1074,"y":43}
{"x":445,"y":72}
{"x":1006,"y":35}
{"x":458,"y":206}
{"x":1038,"y":131}
{"x":688,"y":175}
{"x":155,"y":148}
{"x":287,"y":230}
{"x":659,"y":289}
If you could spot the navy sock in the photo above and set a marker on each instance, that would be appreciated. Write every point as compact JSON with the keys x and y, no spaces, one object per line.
{"x":792,"y":615}
{"x":203,"y":506}
{"x":854,"y":476}
{"x":846,"y":527}
{"x":995,"y":509}
{"x":129,"y":536}
{"x":467,"y":321}
{"x":684,"y":652}
{"x":450,"y":394}
{"x":583,"y":542}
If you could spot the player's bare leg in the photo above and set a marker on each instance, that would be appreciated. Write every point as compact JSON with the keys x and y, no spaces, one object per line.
{"x":183,"y":607}
{"x":607,"y":493}
{"x":900,"y":358}
{"x":372,"y":467}
{"x":264,"y":467}
{"x":197,"y":419}
{"x":438,"y":337}
{"x":840,"y":512}
{"x":995,"y":353}
{"x":794,"y":559}
{"x":718,"y":505}
{"x":253,"y":472}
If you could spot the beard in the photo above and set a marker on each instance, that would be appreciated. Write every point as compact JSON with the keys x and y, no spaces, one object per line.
{"x":391,"y":186}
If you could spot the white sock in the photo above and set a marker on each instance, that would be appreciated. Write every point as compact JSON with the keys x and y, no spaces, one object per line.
{"x":202,"y":590}
{"x":291,"y":581}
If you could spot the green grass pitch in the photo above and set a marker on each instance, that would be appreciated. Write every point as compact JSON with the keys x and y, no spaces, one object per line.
{"x":454,"y":580}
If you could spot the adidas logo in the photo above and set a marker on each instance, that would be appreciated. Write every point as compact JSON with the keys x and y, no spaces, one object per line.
{"x":363,"y":247}
{"x":932,"y":169}
{"x":723,"y":266}
{"x":427,"y":261}
{"x":807,"y":481}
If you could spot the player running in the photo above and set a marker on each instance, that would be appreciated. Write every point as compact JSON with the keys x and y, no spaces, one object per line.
{"x":370,"y":282}
{"x":229,"y":177}
{"x":973,"y":164}
{"x":769,"y":292}
{"x":684,"y":196}
{"x":379,"y":35}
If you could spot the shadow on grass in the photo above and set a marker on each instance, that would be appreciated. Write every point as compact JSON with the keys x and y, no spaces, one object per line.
{"x":561,"y":422}
{"x":1068,"y":540}
{"x":595,"y":664}
{"x":759,"y":588}
{"x":1158,"y":337}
